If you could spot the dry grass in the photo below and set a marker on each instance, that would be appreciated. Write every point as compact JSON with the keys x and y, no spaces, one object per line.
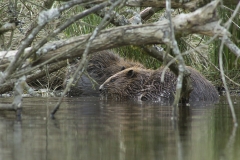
{"x":26,"y":13}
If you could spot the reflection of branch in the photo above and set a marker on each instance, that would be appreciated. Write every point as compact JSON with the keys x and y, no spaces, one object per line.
{"x":222,"y":71}
{"x":229,"y":146}
{"x":7,"y":107}
{"x":85,"y":53}
{"x":16,"y":105}
{"x":181,"y":63}
{"x":17,"y":102}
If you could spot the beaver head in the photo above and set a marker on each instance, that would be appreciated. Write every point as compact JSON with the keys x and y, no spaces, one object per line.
{"x":126,"y":84}
{"x":104,"y":64}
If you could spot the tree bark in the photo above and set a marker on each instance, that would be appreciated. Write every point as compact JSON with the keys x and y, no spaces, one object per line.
{"x":189,"y":4}
{"x":192,"y":5}
{"x":203,"y":21}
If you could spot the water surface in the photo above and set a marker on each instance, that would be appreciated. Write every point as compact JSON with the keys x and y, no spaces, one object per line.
{"x":89,"y":128}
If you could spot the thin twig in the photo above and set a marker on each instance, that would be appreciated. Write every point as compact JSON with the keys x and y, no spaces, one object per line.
{"x":44,"y":18}
{"x":8,"y":86}
{"x":199,"y":51}
{"x":233,"y":47}
{"x":221,"y":67}
{"x":66,"y":24}
{"x":181,"y":65}
{"x":84,"y":56}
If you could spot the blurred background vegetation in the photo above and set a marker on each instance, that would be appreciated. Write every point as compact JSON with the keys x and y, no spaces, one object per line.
{"x":205,"y":59}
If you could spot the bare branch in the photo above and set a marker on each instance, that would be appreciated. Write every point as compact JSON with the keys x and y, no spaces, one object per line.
{"x":85,"y":53}
{"x":232,"y":47}
{"x":8,"y":86}
{"x":222,"y":71}
{"x":154,"y":33}
{"x":7,"y":27}
{"x":181,"y":65}
{"x":192,"y":5}
{"x":44,"y":18}
{"x":127,"y":35}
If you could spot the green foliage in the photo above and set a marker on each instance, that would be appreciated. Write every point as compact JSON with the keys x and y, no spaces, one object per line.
{"x":85,"y":26}
{"x":203,"y":60}
{"x":88,"y":24}
{"x":229,"y":59}
{"x":136,"y":54}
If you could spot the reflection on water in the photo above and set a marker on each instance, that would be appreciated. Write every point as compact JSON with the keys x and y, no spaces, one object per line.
{"x":89,"y":128}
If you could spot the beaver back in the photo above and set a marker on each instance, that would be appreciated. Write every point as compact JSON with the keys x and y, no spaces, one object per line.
{"x":101,"y":66}
{"x":203,"y":90}
{"x":158,"y":90}
{"x":143,"y":84}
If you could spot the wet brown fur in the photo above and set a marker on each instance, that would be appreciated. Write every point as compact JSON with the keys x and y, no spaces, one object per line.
{"x":127,"y":84}
{"x":203,"y":90}
{"x":101,"y":66}
{"x":104,"y":64}
{"x":142,"y":84}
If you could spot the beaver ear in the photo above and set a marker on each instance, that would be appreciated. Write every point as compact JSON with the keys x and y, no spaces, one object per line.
{"x":130,"y":73}
{"x":123,"y":68}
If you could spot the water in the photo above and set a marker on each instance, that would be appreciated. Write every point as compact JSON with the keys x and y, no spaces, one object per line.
{"x":89,"y":128}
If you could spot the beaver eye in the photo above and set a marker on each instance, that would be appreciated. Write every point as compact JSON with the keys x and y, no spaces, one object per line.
{"x":112,"y":80}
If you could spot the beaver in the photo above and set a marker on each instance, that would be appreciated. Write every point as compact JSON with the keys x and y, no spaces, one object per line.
{"x":101,"y":66}
{"x":144,"y":84}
